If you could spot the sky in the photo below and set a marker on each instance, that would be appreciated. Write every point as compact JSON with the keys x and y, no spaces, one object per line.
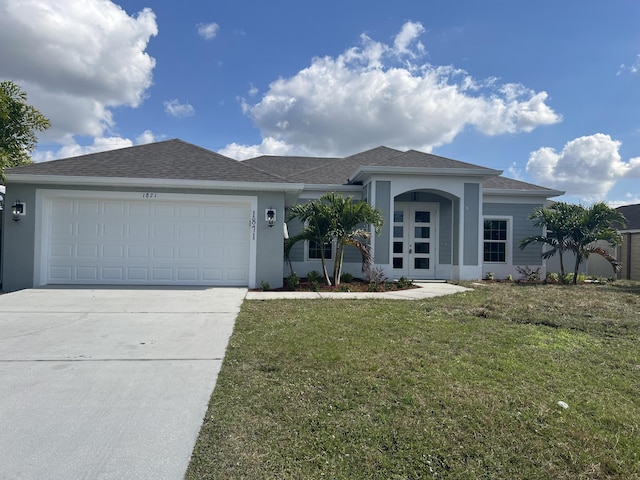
{"x":547,"y":91}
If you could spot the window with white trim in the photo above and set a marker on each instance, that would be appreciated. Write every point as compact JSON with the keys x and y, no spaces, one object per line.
{"x":496,"y":235}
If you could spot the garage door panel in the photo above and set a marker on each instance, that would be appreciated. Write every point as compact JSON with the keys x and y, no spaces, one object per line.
{"x":147,"y":242}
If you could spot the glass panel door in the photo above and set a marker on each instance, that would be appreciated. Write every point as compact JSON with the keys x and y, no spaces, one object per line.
{"x":413,"y":243}
{"x":421,"y":241}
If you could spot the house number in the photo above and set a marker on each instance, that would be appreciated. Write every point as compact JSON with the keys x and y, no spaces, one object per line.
{"x":149,"y":195}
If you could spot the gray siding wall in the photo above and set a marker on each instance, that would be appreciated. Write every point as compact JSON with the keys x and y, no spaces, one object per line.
{"x":18,"y":248}
{"x":471,"y":225}
{"x":383,"y":200}
{"x":521,"y":228}
{"x":19,"y":239}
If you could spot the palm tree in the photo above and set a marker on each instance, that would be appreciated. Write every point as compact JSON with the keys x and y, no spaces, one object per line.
{"x":333,"y":217}
{"x":576,"y":229}
{"x":316,"y":217}
{"x":554,"y":221}
{"x":593,"y":224}
{"x":349,"y":227}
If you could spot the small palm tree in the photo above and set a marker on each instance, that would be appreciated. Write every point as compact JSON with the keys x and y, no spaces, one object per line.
{"x":554,"y":221}
{"x":333,"y":217}
{"x":316,"y":217}
{"x":576,"y":229}
{"x":593,"y":224}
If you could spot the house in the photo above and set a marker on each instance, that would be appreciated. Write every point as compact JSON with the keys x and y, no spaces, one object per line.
{"x":629,"y":250}
{"x":172,"y":213}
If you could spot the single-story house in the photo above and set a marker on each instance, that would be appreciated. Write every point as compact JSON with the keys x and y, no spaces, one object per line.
{"x":173,"y":213}
{"x":629,"y":250}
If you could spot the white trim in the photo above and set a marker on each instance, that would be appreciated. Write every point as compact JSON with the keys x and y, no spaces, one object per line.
{"x":365,"y":170}
{"x":152,"y":182}
{"x":44,"y":195}
{"x":509,"y":240}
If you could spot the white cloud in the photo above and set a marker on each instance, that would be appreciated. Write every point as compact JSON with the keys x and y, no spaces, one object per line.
{"x":408,"y":34}
{"x":177,"y":109}
{"x":208,"y":30}
{"x":369,"y":96}
{"x":146,"y":137}
{"x":77,"y":60}
{"x":633,"y":68}
{"x":73,"y":149}
{"x":269,"y":146}
{"x":587,"y":167}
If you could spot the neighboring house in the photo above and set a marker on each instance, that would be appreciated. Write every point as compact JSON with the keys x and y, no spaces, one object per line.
{"x":629,"y":251}
{"x":172,"y":213}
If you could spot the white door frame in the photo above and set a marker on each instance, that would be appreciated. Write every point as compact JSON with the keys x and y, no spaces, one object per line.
{"x":404,"y":249}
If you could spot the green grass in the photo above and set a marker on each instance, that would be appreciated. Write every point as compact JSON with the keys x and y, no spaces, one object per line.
{"x":462,"y":387}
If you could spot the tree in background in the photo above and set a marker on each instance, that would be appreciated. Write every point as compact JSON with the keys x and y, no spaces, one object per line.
{"x":335,"y":218}
{"x":576,"y":229}
{"x":18,"y":124}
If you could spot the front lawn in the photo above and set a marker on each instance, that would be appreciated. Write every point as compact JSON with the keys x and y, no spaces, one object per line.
{"x":464,"y":386}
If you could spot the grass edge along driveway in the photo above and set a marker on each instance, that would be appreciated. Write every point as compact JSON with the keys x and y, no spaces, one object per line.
{"x":462,"y":386}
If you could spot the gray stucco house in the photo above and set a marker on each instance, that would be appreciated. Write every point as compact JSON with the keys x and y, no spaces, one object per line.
{"x":172,"y":213}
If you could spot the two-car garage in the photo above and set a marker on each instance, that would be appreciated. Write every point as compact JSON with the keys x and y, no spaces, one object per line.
{"x":144,"y":238}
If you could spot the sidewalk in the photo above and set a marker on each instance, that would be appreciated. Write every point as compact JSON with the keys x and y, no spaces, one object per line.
{"x":424,"y":290}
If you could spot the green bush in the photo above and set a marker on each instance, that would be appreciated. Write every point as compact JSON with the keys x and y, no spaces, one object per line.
{"x":292,"y":281}
{"x":346,"y":278}
{"x":314,"y":276}
{"x":404,"y":282}
{"x":265,"y":286}
{"x":553,"y":277}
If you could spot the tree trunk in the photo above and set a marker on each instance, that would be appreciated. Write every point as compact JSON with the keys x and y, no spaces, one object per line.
{"x":337,"y":266}
{"x":577,"y":266}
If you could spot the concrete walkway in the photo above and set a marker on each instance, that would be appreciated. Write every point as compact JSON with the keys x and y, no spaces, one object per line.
{"x":424,"y":290}
{"x":108,"y":383}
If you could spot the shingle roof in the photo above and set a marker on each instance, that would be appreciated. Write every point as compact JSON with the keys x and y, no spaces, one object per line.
{"x":179,"y":160}
{"x":170,"y":159}
{"x":504,"y":183}
{"x":632,"y":214}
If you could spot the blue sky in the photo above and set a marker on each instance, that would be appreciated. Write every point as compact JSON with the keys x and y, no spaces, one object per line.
{"x":548,"y":92}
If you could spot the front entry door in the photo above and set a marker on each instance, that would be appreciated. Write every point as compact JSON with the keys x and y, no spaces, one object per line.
{"x":414,"y":242}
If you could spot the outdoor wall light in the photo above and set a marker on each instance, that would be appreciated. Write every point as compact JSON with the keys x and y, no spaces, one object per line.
{"x":270,"y":216}
{"x":18,"y":209}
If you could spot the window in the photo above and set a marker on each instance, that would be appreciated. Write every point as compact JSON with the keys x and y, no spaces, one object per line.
{"x":495,"y":241}
{"x":315,"y":253}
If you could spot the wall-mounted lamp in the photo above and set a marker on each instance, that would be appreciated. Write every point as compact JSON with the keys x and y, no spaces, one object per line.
{"x":270,"y":216}
{"x":18,"y":209}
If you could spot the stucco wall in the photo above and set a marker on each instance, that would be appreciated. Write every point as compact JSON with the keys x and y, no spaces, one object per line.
{"x":18,"y":252}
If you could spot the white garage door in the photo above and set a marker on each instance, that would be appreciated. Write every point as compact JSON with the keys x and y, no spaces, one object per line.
{"x":146,"y":242}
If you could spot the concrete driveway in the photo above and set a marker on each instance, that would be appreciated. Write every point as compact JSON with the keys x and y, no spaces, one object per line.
{"x":108,"y":383}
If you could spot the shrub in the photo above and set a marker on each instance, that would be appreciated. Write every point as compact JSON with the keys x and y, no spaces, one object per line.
{"x":292,"y":281}
{"x":314,"y":276}
{"x":553,"y":277}
{"x":314,"y":285}
{"x":376,"y":275}
{"x":489,"y":276}
{"x":346,"y":278}
{"x":529,"y":274}
{"x":265,"y":286}
{"x":404,"y":282}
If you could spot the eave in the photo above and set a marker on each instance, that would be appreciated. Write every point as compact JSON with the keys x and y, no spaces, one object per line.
{"x":154,"y":183}
{"x":546,"y":193}
{"x":367,"y":170}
